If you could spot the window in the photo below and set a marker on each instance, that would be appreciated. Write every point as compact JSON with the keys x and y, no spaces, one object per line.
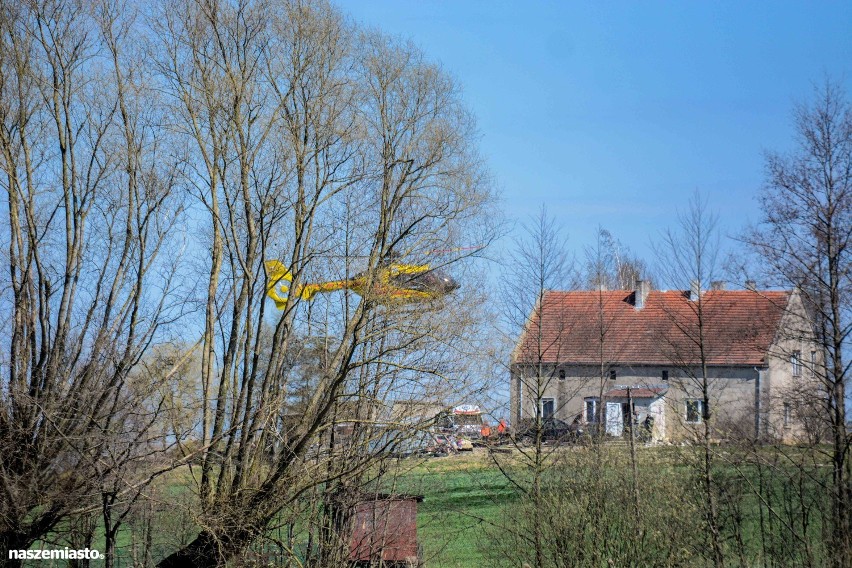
{"x":786,"y":415}
{"x":665,"y":375}
{"x":548,"y":406}
{"x":562,"y":374}
{"x":591,"y":410}
{"x":813,"y":363}
{"x":694,"y":412}
{"x":612,"y":374}
{"x":796,"y":362}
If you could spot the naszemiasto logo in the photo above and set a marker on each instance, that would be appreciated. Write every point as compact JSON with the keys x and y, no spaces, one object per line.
{"x":55,"y":554}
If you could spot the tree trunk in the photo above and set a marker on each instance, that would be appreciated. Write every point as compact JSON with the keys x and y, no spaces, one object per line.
{"x":110,"y":531}
{"x":9,"y":541}
{"x":205,"y":551}
{"x":634,"y":470}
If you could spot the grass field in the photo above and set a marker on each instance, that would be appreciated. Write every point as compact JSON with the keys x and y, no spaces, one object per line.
{"x":464,"y":494}
{"x":463,"y":498}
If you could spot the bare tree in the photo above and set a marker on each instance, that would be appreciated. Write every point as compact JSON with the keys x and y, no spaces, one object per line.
{"x":90,"y":211}
{"x":805,"y":240}
{"x":148,"y":426}
{"x":562,"y":352}
{"x":610,"y":265}
{"x":539,"y":264}
{"x":334,"y":152}
{"x":689,"y":256}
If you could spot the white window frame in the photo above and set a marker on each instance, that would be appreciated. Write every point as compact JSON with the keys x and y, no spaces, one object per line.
{"x":699,"y":407}
{"x":796,"y":363}
{"x":787,"y":414}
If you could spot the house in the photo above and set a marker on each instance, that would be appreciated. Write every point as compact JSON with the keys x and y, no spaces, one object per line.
{"x":639,"y":357}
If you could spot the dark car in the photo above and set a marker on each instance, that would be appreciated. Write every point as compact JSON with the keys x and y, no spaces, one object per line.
{"x":553,"y":430}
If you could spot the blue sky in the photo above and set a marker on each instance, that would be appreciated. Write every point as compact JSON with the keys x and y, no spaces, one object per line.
{"x":613,"y":113}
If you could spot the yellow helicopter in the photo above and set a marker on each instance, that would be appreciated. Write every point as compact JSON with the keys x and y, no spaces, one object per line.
{"x":396,"y":282}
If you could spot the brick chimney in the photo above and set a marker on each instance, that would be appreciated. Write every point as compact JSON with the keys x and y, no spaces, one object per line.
{"x":641,"y":293}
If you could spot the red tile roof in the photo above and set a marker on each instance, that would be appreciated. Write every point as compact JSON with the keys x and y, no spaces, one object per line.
{"x":588,"y":327}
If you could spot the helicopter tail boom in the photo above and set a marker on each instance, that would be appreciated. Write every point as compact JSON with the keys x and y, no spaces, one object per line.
{"x":278,"y":291}
{"x":308,"y":291}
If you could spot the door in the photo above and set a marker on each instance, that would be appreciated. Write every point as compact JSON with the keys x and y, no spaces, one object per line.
{"x":614,"y":419}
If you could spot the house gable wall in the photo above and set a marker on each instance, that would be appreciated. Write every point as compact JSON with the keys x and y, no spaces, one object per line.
{"x":788,"y":399}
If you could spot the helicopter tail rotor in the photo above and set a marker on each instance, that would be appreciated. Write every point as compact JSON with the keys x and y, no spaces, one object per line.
{"x":275,"y":289}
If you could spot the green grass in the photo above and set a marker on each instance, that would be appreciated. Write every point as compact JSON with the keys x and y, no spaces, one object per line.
{"x":462,"y":496}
